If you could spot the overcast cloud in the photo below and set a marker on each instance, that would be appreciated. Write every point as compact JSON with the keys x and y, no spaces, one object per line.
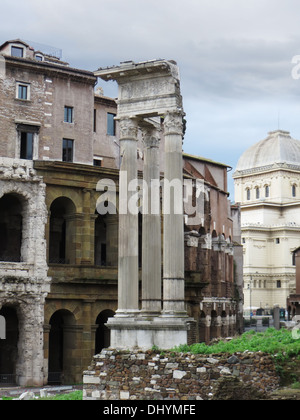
{"x":234,"y":57}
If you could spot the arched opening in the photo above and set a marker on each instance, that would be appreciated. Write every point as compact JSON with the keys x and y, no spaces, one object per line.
{"x":248,"y":194}
{"x":62,"y":340}
{"x":62,"y":231}
{"x":9,"y":346}
{"x":202,"y":327}
{"x":100,"y":241}
{"x":214,"y":325}
{"x":103,"y":333}
{"x":202,"y":231}
{"x":11,"y":225}
{"x":225,"y":325}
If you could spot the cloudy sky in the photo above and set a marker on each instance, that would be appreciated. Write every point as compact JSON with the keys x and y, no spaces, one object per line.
{"x":235,"y":57}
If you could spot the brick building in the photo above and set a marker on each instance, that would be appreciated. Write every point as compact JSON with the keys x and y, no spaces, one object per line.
{"x":58,"y":256}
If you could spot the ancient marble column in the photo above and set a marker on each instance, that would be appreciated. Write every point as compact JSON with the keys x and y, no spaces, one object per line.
{"x":173,"y":243}
{"x":128,"y":221}
{"x":151,"y":253}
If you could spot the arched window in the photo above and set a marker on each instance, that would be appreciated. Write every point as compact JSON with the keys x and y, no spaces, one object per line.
{"x":267,"y":191}
{"x":257,"y":193}
{"x":294,"y":191}
{"x":248,"y":194}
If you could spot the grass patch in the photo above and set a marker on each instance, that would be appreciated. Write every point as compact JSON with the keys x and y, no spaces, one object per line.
{"x":277,"y":343}
{"x":72,"y":396}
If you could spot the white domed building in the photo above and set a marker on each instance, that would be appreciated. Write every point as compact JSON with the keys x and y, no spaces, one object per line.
{"x":267,"y":185}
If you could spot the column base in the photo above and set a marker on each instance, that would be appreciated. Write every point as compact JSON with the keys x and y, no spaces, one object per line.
{"x":139,"y":332}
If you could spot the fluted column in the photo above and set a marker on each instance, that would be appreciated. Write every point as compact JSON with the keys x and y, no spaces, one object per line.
{"x":128,"y":221}
{"x":151,"y":253}
{"x":173,"y":277}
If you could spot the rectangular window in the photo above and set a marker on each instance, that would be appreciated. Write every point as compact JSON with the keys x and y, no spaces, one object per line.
{"x":26,"y":146}
{"x":95,"y":120}
{"x":17,"y":52}
{"x":278,"y":284}
{"x":23,"y":91}
{"x":97,"y":162}
{"x":111,"y":124}
{"x":68,"y":148}
{"x":68,"y":114}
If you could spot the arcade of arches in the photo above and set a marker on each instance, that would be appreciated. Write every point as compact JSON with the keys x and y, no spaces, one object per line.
{"x":82,"y":256}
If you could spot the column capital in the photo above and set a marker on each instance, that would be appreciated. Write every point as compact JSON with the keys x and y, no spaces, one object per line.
{"x":151,"y":135}
{"x":128,"y":128}
{"x":173,"y":123}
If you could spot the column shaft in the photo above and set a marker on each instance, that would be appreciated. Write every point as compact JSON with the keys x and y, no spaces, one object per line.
{"x":151,"y":253}
{"x":173,"y":217}
{"x":128,"y":221}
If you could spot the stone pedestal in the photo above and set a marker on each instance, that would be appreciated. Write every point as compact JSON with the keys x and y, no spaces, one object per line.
{"x":138,"y":332}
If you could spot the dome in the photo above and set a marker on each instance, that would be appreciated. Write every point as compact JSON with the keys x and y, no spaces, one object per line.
{"x":278,"y":148}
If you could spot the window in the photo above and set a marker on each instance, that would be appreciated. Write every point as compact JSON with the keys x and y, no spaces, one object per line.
{"x":39,"y":58}
{"x":68,"y":114}
{"x":23,"y":91}
{"x":95,"y":120}
{"x":267,"y":191}
{"x":278,"y":284}
{"x":257,"y":192}
{"x":248,"y":194}
{"x":17,"y":52}
{"x":26,"y":146}
{"x":111,"y":124}
{"x":277,"y":241}
{"x":68,"y":146}
{"x":294,"y":191}
{"x":97,"y":162}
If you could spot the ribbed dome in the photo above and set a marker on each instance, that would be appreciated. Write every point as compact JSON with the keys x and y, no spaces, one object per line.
{"x":279,"y":147}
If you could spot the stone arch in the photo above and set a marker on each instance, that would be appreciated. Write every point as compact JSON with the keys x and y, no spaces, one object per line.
{"x":214,"y":328}
{"x":62,"y":231}
{"x":100,"y":240}
{"x":224,"y":324}
{"x":75,"y":198}
{"x":202,"y":327}
{"x":62,"y":340}
{"x":102,"y":339}
{"x":202,"y":231}
{"x":9,"y":347}
{"x":13,"y":215}
{"x":214,"y":234}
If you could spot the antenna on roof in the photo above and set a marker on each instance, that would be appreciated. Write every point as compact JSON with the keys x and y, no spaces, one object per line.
{"x":46,"y":49}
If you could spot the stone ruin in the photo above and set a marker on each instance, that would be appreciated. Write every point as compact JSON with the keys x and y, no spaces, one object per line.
{"x":146,"y":90}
